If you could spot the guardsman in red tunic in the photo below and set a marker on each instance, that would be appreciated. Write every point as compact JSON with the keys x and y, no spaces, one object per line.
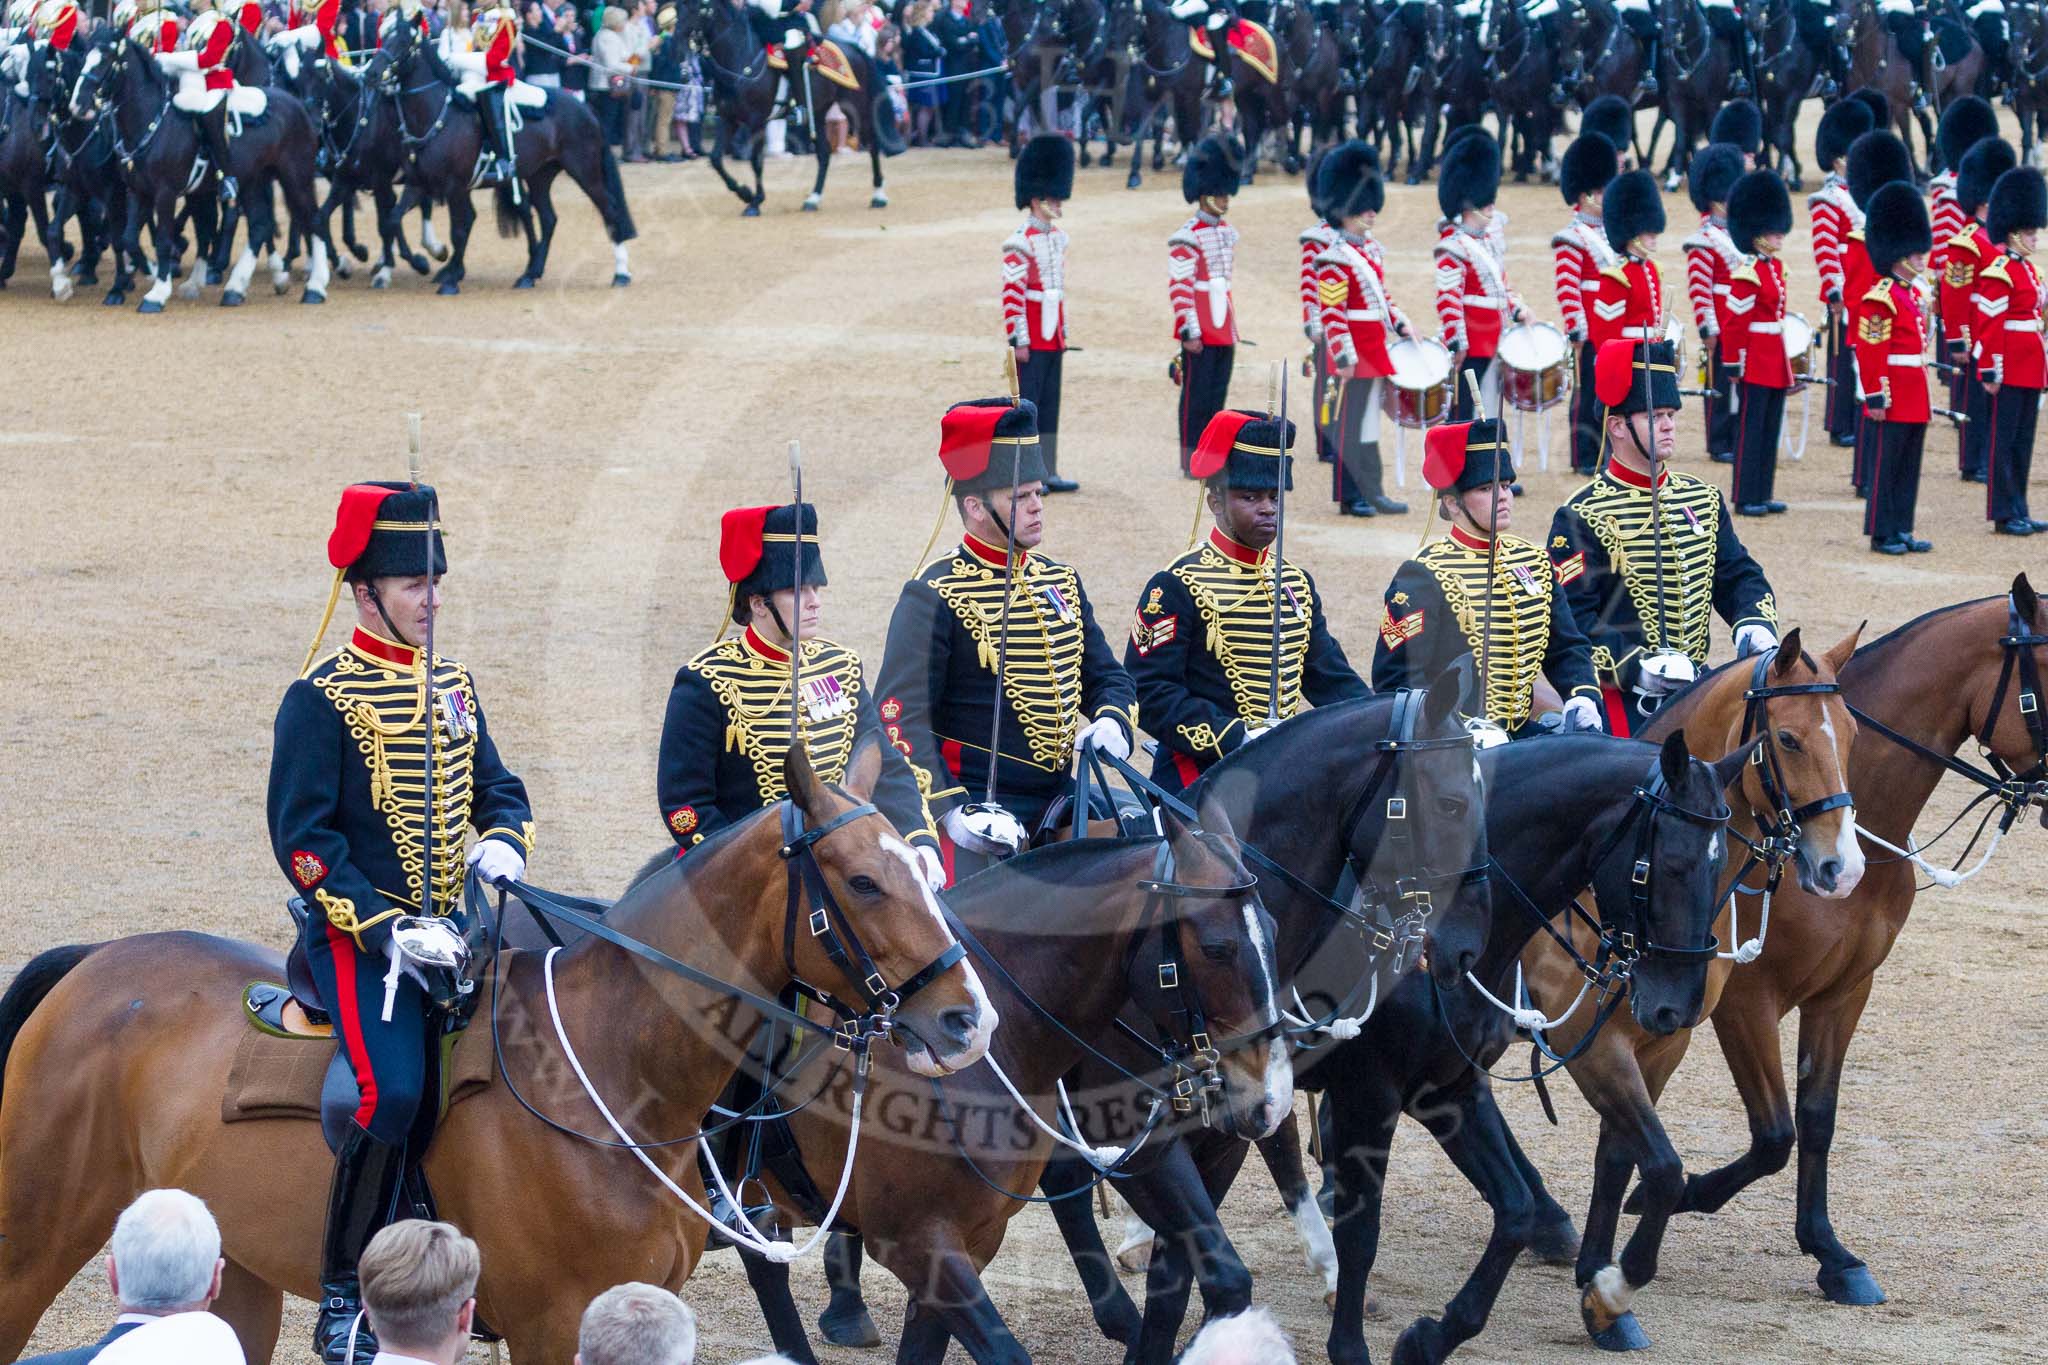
{"x":247,"y":14}
{"x":204,"y":81}
{"x":1759,"y":216}
{"x":1314,"y":242}
{"x":1474,"y":304}
{"x":316,"y":30}
{"x":1891,"y":363}
{"x":1876,"y":159}
{"x":1359,"y":322}
{"x":487,"y":78}
{"x":2010,"y":303}
{"x":1579,"y":253}
{"x":1835,"y":215}
{"x":1627,"y":303}
{"x":1965,"y":122}
{"x":1710,"y":257}
{"x":1200,"y":257}
{"x":1035,"y":287}
{"x":1965,"y":253}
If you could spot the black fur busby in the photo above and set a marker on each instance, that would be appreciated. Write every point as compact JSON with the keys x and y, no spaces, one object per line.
{"x":1967,"y":121}
{"x":1469,"y":176}
{"x":1611,"y":117}
{"x":1244,"y":450}
{"x":1979,"y":171}
{"x":1045,"y":169}
{"x":760,"y":548}
{"x":1877,"y":158}
{"x":1715,"y":169}
{"x":1463,"y":456}
{"x":1758,"y":204}
{"x":380,"y":530}
{"x":1874,"y":100}
{"x":1895,"y":225}
{"x":1738,"y":123}
{"x":1842,"y":124}
{"x":991,"y":443}
{"x":1312,"y":181}
{"x":1633,"y":206}
{"x":1636,"y":376}
{"x":1589,"y":163}
{"x":1212,"y":168}
{"x":1457,"y":135}
{"x":2019,"y":200}
{"x":1348,"y":182}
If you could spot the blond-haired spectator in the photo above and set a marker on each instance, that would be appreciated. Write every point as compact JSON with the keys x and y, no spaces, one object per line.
{"x":637,"y":1324}
{"x":419,"y":1292}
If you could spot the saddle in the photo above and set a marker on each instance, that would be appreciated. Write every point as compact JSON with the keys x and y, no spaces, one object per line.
{"x":1253,"y":45}
{"x":1133,"y":817}
{"x":531,"y":100}
{"x":826,"y":58}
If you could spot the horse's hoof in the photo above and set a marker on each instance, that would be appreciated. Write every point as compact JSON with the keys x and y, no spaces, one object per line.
{"x":523,"y":282}
{"x":849,"y":1327}
{"x":810,"y":206}
{"x":1412,"y":178}
{"x":621,"y":280}
{"x":150,"y":306}
{"x":213,"y":276}
{"x":382,"y":279}
{"x":231,"y":298}
{"x":880,"y":201}
{"x":1374,"y":1311}
{"x":1555,"y":1243}
{"x":1854,"y":1286}
{"x":1124,"y":1327}
{"x":751,"y":211}
{"x":419,"y":263}
{"x":442,"y":251}
{"x":1421,"y":1344}
{"x":449,"y":287}
{"x":342,"y":268}
{"x":359,"y":251}
{"x":114,"y":299}
{"x":281,"y":285}
{"x":1133,"y":182}
{"x":312,"y":296}
{"x":1626,"y":1334}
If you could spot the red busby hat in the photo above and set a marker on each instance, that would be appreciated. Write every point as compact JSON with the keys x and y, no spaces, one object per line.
{"x":1631,"y":377}
{"x":1246,"y":450}
{"x":759,"y":548}
{"x":982,"y":441}
{"x":1465,"y":455}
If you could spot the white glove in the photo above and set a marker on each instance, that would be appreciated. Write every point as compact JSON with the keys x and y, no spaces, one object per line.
{"x":932,"y":866}
{"x":988,"y":830}
{"x":1105,"y":734}
{"x":1581,"y":714}
{"x":1754,"y":639}
{"x":497,"y":861}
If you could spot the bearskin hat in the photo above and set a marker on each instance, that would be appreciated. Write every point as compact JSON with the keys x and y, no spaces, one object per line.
{"x":1842,"y":124}
{"x":1738,"y":122}
{"x":759,"y":549}
{"x":1212,"y":168}
{"x":1589,"y":163}
{"x":1612,"y":118}
{"x":2019,"y":200}
{"x":1979,"y":170}
{"x":1633,"y":206}
{"x":1874,"y":100}
{"x":1045,"y":169}
{"x":1877,"y":158}
{"x":1967,"y":121}
{"x":1244,"y":450}
{"x":1469,"y":177}
{"x":1758,"y":204}
{"x":1349,"y":182}
{"x":1895,"y":225}
{"x":1713,"y":173}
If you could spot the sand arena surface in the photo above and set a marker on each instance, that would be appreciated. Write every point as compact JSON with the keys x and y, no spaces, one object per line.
{"x":172,"y":483}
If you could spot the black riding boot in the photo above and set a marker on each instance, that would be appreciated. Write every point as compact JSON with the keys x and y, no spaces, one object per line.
{"x":505,"y":161}
{"x":1650,"y":52}
{"x":213,"y":127}
{"x":363,"y":1198}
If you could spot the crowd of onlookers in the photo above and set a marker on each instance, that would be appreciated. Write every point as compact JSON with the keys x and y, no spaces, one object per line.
{"x":419,"y":1299}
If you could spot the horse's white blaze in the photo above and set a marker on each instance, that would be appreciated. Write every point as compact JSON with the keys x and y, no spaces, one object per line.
{"x":317,"y":276}
{"x":245,"y":270}
{"x":1278,"y":1099}
{"x":1316,"y":1242}
{"x":1848,"y":849}
{"x":985,"y":1018}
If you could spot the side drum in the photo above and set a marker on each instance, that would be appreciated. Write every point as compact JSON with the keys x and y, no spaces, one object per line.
{"x":1536,"y":370}
{"x":1800,"y":351}
{"x":1417,"y":393}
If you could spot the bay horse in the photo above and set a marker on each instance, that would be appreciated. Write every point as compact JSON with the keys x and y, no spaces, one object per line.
{"x":1699,"y":65}
{"x":1786,"y":71}
{"x":1557,"y":809}
{"x":743,"y":90}
{"x":1170,"y":80}
{"x":1791,"y":807}
{"x":1955,"y":674}
{"x":1400,"y":89}
{"x":116,"y":1057}
{"x":934,"y":1190}
{"x":445,"y":136}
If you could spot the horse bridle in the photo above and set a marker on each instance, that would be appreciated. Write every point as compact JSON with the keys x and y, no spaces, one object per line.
{"x":1779,"y":822}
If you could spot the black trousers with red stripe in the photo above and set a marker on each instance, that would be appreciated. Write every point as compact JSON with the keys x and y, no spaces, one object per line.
{"x":1761,"y":418}
{"x":1039,"y":381}
{"x":1894,"y":449}
{"x":396,"y":1062}
{"x":1722,"y":417}
{"x":1973,"y":449}
{"x":1204,"y":391}
{"x":2010,"y":437}
{"x":1843,"y":410}
{"x":1588,"y":416}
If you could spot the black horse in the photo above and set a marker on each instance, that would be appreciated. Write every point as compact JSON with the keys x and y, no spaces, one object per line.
{"x":24,"y":126}
{"x":1313,"y":58}
{"x":1168,"y":80}
{"x":1614,"y":59}
{"x":1786,"y":73}
{"x":1400,"y":89}
{"x":1381,"y":792}
{"x":1562,"y":814}
{"x":445,"y":135}
{"x":744,"y":91}
{"x":87,"y":184}
{"x":1699,"y":66}
{"x":1527,"y":70}
{"x":1464,"y":83}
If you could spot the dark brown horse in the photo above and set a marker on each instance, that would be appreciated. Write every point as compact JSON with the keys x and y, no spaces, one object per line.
{"x":1698,"y":65}
{"x":117,"y":1055}
{"x":1792,"y":805}
{"x":1960,"y":673}
{"x":1875,"y":62}
{"x":1786,"y":70}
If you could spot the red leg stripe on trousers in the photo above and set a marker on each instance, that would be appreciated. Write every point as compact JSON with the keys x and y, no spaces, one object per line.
{"x":1617,"y":710}
{"x":1185,"y":766}
{"x":1991,"y":455}
{"x":946,"y":857}
{"x":342,"y":949}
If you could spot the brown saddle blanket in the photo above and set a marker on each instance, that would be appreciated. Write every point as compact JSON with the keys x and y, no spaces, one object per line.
{"x":278,"y":1077}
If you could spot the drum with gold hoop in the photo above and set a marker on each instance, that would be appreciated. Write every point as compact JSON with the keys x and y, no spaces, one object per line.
{"x":1536,"y":367}
{"x":1801,"y":349}
{"x":1418,"y":391}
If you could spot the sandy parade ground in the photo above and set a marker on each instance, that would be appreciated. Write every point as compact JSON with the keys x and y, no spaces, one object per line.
{"x":171,"y":482}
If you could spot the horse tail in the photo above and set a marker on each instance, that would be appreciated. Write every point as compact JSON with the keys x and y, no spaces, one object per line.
{"x":647,"y":869}
{"x":30,"y":985}
{"x":510,"y":223}
{"x":621,"y":223}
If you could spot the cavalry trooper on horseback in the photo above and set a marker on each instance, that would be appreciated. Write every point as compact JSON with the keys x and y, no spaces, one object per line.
{"x":1647,"y":555}
{"x":994,"y":640}
{"x":368,"y":740}
{"x":790,"y":28}
{"x":316,"y":32}
{"x":488,"y":78}
{"x":1908,"y":27}
{"x":1816,"y":22}
{"x":1483,"y":592}
{"x":1214,"y":19}
{"x":1217,"y":661}
{"x":206,"y":86}
{"x":1725,"y":21}
{"x":153,"y":27}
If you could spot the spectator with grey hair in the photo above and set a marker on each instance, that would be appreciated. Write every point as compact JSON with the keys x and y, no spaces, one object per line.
{"x":419,"y":1292}
{"x":165,"y":1261}
{"x":637,"y":1324}
{"x":1248,"y":1338}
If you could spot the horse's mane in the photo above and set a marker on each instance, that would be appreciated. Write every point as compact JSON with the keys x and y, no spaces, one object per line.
{"x":1236,"y":758}
{"x":1865,"y":653}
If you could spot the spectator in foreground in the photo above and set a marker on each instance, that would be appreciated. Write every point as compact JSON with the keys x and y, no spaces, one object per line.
{"x":1248,"y":1338}
{"x":165,"y":1261}
{"x":637,"y":1324}
{"x":419,"y":1292}
{"x":180,"y":1339}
